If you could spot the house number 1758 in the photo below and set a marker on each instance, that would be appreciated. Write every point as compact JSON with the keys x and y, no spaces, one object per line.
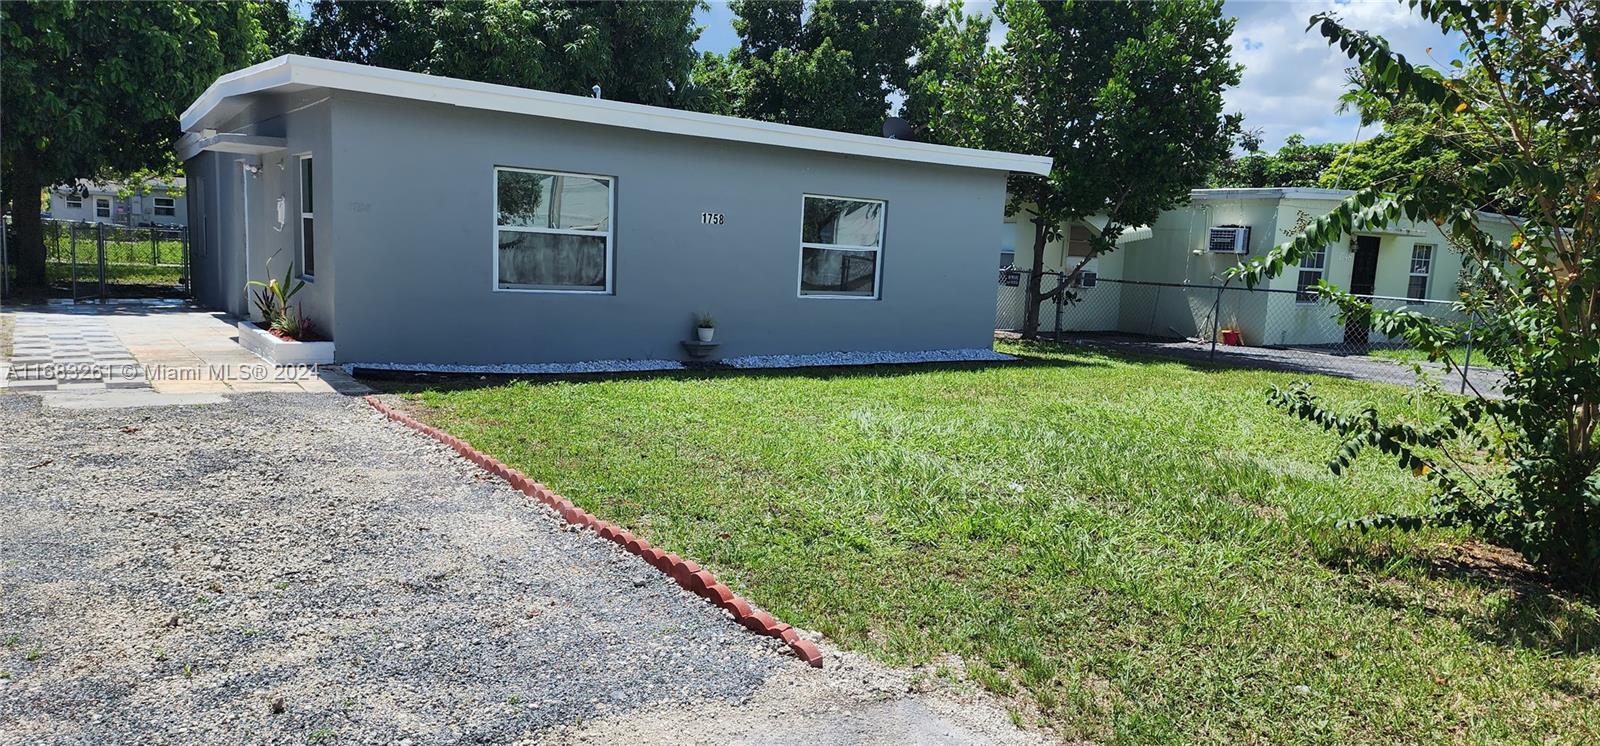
{"x":711,"y":218}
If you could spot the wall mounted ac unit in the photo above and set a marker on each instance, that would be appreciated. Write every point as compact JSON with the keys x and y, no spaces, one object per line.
{"x":1229,"y":239}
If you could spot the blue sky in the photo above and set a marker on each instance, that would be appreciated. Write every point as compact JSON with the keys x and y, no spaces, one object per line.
{"x":1292,"y":80}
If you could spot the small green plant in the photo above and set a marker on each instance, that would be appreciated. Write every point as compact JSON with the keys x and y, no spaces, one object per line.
{"x":189,"y":670}
{"x":705,"y":320}
{"x":13,"y":641}
{"x":321,"y":734}
{"x":271,"y":300}
{"x":34,"y":654}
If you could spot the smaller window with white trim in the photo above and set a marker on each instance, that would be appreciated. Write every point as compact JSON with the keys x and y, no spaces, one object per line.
{"x":1421,"y":269}
{"x":102,"y":207}
{"x":1313,"y":265}
{"x":841,"y":240}
{"x":73,"y":202}
{"x":308,"y":222}
{"x":166,"y":206}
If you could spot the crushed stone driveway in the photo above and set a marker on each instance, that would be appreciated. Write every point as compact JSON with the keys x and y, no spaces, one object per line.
{"x":296,"y":568}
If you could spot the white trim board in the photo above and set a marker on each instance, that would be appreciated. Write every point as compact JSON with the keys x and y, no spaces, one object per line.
{"x":294,"y":72}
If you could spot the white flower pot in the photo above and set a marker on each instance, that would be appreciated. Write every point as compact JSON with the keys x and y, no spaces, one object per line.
{"x":705,"y":332}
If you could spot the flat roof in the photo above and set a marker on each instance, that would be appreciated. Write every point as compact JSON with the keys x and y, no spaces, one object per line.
{"x":292,"y":73}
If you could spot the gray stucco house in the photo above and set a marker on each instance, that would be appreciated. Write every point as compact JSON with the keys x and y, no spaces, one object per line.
{"x":447,"y":221}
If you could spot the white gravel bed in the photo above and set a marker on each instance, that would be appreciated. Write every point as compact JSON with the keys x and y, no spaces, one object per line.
{"x":525,"y":369}
{"x":975,"y":354}
{"x":177,"y":574}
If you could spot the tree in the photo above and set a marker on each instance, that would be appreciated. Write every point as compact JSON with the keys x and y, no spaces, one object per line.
{"x":832,"y":65}
{"x":1126,"y":98}
{"x":953,"y":89}
{"x":636,"y":52}
{"x":1522,"y":116}
{"x":1296,"y":164}
{"x":94,"y":89}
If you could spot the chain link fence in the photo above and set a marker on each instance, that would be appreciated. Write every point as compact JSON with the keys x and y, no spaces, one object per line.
{"x":101,"y":260}
{"x":1273,"y":328}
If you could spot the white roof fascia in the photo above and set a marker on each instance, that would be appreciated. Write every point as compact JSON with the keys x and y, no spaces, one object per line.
{"x":310,"y":72}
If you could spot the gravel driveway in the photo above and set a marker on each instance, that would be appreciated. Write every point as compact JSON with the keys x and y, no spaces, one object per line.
{"x":294,"y":568}
{"x":171,"y":573}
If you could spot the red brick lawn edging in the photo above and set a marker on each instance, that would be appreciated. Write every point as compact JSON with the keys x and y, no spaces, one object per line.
{"x":682,"y":571}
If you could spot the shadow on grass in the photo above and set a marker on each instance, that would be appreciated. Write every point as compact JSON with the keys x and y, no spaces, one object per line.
{"x":401,"y":382}
{"x":1511,"y":604}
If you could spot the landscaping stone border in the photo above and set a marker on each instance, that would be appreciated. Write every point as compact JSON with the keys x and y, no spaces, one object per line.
{"x":682,"y":571}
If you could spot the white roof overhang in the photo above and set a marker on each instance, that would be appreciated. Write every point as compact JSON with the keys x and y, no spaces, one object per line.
{"x":293,"y":73}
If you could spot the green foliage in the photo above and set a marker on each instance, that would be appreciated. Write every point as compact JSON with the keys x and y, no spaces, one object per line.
{"x":93,"y":90}
{"x":637,"y":52}
{"x":1521,"y":122}
{"x":832,"y":65}
{"x":1126,"y":97}
{"x":1296,"y":164}
{"x":272,"y":298}
{"x":705,"y":320}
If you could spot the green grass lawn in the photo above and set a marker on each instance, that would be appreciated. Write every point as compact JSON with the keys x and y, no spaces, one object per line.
{"x":1409,"y":355}
{"x":1126,"y":550}
{"x":116,"y":273}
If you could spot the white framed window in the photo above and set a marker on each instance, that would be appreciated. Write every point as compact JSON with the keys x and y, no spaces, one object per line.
{"x":308,"y":220}
{"x":166,"y":206}
{"x":1313,"y":266}
{"x":102,"y":207}
{"x":1421,"y":269}
{"x":553,"y":231}
{"x":1008,"y":243}
{"x":73,"y":202}
{"x":841,"y":241}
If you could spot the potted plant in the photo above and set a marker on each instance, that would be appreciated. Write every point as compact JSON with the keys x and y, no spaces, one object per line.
{"x":705,"y":326}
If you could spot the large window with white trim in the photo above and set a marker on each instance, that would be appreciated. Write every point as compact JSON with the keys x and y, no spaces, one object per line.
{"x":1313,"y":265}
{"x":1421,"y":268}
{"x":102,"y":207}
{"x":308,"y":221}
{"x":166,"y":206}
{"x":552,"y":231}
{"x":841,"y":240}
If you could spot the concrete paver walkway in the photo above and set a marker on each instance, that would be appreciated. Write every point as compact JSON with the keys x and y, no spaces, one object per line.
{"x":163,"y":346}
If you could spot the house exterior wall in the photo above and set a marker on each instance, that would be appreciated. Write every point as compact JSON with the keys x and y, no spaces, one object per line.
{"x":408,"y":220}
{"x":133,"y":210}
{"x":1098,"y":307}
{"x":1172,"y":274}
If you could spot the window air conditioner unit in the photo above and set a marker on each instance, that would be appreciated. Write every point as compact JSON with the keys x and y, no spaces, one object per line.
{"x":1229,"y":239}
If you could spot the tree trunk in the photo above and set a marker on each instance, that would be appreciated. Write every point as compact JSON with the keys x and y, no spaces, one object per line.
{"x":1030,"y":318}
{"x":27,"y":253}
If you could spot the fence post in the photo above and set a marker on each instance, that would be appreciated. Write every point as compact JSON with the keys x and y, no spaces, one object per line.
{"x":155,"y":248}
{"x":100,"y":249}
{"x":1466,"y":358}
{"x":1216,"y":322}
{"x":73,"y":244}
{"x":1060,"y":283}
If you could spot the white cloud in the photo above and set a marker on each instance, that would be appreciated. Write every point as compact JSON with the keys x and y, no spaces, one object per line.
{"x":1292,"y":78}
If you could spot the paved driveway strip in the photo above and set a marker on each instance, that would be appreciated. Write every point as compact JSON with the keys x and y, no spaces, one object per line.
{"x":169,"y":573}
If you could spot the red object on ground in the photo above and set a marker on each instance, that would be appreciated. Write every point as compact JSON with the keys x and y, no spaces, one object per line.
{"x":1232,"y":337}
{"x":684,"y":572}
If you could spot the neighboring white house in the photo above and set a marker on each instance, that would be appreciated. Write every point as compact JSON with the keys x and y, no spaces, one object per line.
{"x":1170,"y":269}
{"x":156,"y":203}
